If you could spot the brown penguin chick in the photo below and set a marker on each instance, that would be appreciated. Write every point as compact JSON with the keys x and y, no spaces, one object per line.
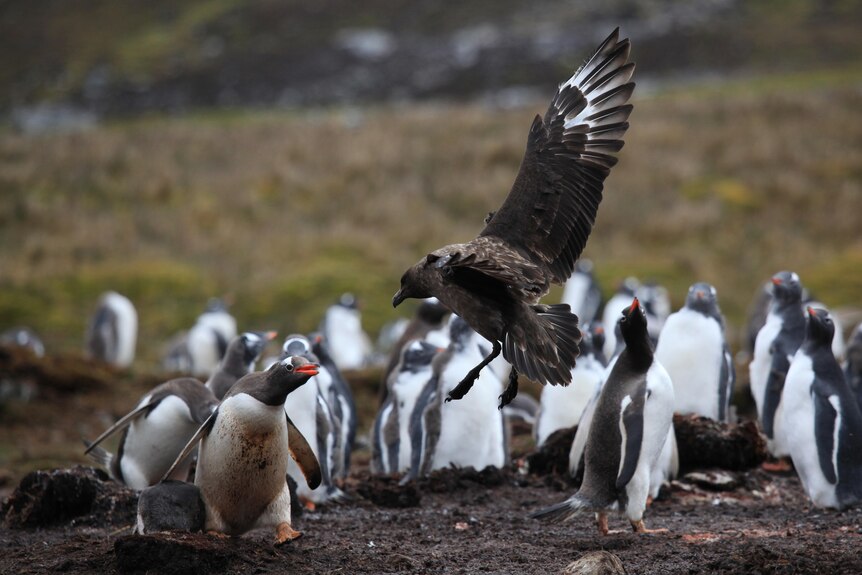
{"x":495,"y":281}
{"x":244,"y":445}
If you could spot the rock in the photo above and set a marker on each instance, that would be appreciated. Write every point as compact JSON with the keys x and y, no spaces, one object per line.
{"x":171,"y":505}
{"x":704,"y":443}
{"x":713,"y":480}
{"x":553,"y":455}
{"x":595,"y":563}
{"x":81,"y":495}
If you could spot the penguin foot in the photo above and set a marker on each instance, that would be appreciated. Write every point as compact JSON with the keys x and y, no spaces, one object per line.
{"x":463,"y":386}
{"x":308,"y":504}
{"x":781,"y":465}
{"x":284,"y":533}
{"x":511,"y":390}
{"x":602,"y":523}
{"x":639,"y":527}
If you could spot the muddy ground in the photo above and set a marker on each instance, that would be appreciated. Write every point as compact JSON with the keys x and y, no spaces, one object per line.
{"x":457,"y":521}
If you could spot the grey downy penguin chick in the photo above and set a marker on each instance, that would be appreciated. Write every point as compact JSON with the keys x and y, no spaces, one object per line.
{"x":244,"y":448}
{"x":155,"y":432}
{"x":823,"y":422}
{"x":467,"y":433}
{"x":776,"y":344}
{"x":342,"y":404}
{"x":630,"y":426}
{"x":242,"y":353}
{"x":693,"y":349}
{"x":312,"y":414}
{"x":170,"y":505}
{"x":391,"y":442}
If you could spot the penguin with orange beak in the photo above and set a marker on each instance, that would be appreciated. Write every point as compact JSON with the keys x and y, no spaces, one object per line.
{"x":244,"y":447}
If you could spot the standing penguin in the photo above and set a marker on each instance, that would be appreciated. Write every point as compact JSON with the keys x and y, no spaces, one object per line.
{"x":341,"y":401}
{"x":239,"y":359}
{"x":562,"y":407}
{"x":823,"y":423}
{"x":342,"y":328}
{"x":391,"y":442}
{"x":853,"y":364}
{"x":208,"y":339}
{"x":466,"y":433}
{"x":310,"y":410}
{"x":630,"y":426}
{"x":244,"y":446}
{"x":113,"y":330}
{"x":693,"y":349}
{"x":155,"y":432}
{"x":582,"y":292}
{"x":776,"y":343}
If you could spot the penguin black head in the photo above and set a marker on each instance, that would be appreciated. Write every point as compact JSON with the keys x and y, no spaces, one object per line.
{"x":703,"y":298}
{"x":252,"y":344}
{"x":417,"y":355}
{"x":633,"y":325}
{"x":459,"y":332}
{"x":348,"y":300}
{"x":820,"y":328}
{"x":289,"y":374}
{"x":597,"y":335}
{"x":296,"y":344}
{"x":432,"y":311}
{"x":786,"y":288}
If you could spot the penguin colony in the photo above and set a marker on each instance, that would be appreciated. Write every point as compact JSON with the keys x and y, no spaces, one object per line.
{"x":246,"y":432}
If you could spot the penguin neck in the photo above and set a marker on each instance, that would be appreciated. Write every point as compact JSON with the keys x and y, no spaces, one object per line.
{"x":638,"y":353}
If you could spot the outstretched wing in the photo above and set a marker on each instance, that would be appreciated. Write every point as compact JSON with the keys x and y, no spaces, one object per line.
{"x":552,"y":205}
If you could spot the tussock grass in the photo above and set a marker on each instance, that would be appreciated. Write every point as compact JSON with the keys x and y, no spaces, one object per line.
{"x":284,"y":211}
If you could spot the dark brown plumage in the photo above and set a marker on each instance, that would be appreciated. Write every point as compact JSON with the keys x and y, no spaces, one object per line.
{"x":495,"y":281}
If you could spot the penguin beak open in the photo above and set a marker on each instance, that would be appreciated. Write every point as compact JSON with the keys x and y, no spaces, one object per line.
{"x":309,"y":369}
{"x":635,"y":305}
{"x":398,"y":298}
{"x":811,"y":311}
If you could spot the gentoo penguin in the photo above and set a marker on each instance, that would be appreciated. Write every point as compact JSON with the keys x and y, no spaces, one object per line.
{"x":823,"y":422}
{"x":155,"y":432}
{"x":239,"y":359}
{"x":23,"y":337}
{"x":582,"y":292}
{"x":562,"y":407}
{"x":244,"y":446}
{"x":622,"y":298}
{"x":170,"y":505}
{"x":342,"y":329}
{"x":777,"y":342}
{"x":655,"y":301}
{"x":693,"y":349}
{"x":113,"y":330}
{"x":466,"y":433}
{"x":207,"y":340}
{"x":309,"y":409}
{"x":341,"y":401}
{"x":629,"y":428}
{"x":391,"y":442}
{"x":853,"y":364}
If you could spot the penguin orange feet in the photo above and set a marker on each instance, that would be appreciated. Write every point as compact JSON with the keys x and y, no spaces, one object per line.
{"x":781,"y":465}
{"x":639,"y":527}
{"x":602,"y":522}
{"x":284,"y":533}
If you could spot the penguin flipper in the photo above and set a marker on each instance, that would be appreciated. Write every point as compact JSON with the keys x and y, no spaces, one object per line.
{"x":825,"y":420}
{"x":202,"y":432}
{"x":302,"y":453}
{"x":774,"y":386}
{"x":122,"y":423}
{"x":632,"y":431}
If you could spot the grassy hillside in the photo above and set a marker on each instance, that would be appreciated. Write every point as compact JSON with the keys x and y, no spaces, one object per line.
{"x":284,"y":211}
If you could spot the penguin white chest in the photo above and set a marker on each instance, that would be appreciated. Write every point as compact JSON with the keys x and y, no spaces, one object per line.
{"x":242,"y":463}
{"x":798,"y":427}
{"x":761,"y":363}
{"x":691,"y":349}
{"x":406,"y":391}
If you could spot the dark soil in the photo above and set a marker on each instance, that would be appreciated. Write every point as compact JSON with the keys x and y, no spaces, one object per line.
{"x":75,"y":520}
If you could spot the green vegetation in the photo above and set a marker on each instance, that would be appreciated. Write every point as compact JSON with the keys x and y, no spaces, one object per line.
{"x":284,"y":211}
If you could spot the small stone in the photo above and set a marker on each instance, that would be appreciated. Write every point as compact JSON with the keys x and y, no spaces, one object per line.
{"x":595,"y":563}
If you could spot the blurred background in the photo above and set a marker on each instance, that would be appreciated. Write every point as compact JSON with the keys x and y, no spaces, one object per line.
{"x":279,"y":153}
